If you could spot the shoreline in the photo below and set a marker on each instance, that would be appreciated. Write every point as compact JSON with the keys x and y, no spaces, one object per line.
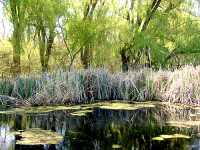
{"x":16,"y":103}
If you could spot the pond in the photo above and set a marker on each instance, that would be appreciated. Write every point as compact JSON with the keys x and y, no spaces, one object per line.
{"x":101,"y":126}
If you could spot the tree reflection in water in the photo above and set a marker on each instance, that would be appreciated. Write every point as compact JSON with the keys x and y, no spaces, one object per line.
{"x":102,"y":129}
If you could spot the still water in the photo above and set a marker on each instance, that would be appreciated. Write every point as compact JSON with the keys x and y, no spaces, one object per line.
{"x":105,"y":128}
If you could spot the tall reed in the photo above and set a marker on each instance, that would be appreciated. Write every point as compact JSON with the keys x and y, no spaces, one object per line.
{"x":181,"y":85}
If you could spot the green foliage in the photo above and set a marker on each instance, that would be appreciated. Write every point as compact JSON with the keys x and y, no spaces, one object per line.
{"x":6,"y":87}
{"x":46,"y":11}
{"x":24,"y":88}
{"x":166,"y":29}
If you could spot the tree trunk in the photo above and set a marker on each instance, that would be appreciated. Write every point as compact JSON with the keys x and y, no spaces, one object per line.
{"x":148,"y":55}
{"x":16,"y":68}
{"x":16,"y":17}
{"x":42,"y":41}
{"x":125,"y":60}
{"x":48,"y":51}
{"x":125,"y":57}
{"x":85,"y":51}
{"x":85,"y":57}
{"x":45,"y":47}
{"x":150,"y":12}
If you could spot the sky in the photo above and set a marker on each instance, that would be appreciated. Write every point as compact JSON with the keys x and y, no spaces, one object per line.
{"x":6,"y":27}
{"x":196,"y":6}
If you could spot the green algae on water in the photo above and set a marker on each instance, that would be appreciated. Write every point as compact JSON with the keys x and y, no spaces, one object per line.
{"x":170,"y":136}
{"x":183,"y":123}
{"x":158,"y":138}
{"x":40,"y":109}
{"x":81,"y":113}
{"x":102,"y":105}
{"x":36,"y":136}
{"x":116,"y":146}
{"x":126,"y":106}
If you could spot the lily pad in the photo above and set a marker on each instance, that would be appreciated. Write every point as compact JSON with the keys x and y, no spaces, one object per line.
{"x":37,"y":136}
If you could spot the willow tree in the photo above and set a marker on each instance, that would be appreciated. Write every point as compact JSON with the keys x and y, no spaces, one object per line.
{"x":86,"y":30}
{"x":171,"y":32}
{"x":87,"y":16}
{"x":17,"y":11}
{"x":182,"y":44}
{"x":140,"y":16}
{"x":43,"y":18}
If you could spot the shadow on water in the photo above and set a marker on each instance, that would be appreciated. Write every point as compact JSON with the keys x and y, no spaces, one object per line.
{"x":104,"y":129}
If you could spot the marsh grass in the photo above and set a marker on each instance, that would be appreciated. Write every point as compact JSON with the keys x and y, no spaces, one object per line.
{"x":181,"y":85}
{"x":178,"y":86}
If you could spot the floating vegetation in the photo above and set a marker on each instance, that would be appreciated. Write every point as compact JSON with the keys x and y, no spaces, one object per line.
{"x":80,"y":127}
{"x":81,"y":113}
{"x":40,"y":109}
{"x":126,"y":106}
{"x":182,"y":136}
{"x":172,"y":136}
{"x":37,"y":136}
{"x":166,"y":136}
{"x":183,"y":123}
{"x":116,"y":146}
{"x":102,"y":105}
{"x":158,"y":138}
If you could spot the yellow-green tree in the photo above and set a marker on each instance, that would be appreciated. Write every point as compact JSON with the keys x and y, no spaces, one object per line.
{"x":17,"y":12}
{"x":43,"y":18}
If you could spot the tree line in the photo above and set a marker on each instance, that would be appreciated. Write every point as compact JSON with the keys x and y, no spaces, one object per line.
{"x":151,"y":33}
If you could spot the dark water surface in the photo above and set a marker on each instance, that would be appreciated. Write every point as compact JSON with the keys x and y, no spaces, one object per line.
{"x":105,"y":129}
